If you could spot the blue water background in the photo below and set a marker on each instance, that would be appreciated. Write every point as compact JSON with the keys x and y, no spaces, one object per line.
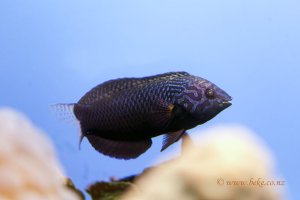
{"x":54,"y":51}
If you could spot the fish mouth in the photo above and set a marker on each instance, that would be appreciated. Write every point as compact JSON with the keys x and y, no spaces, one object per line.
{"x":226,"y":103}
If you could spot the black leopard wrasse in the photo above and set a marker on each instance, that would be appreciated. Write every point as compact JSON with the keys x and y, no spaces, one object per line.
{"x":119,"y":117}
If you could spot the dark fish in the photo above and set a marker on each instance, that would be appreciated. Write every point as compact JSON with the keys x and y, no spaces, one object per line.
{"x":119,"y":117}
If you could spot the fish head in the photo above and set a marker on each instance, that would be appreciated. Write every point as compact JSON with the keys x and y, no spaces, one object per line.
{"x":203,"y":99}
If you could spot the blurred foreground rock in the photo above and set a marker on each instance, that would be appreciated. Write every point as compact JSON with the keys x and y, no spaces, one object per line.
{"x":223,"y":163}
{"x":29,"y":169}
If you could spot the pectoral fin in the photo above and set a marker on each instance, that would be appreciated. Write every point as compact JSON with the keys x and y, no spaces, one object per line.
{"x":171,"y":138}
{"x":119,"y":149}
{"x":161,"y":113}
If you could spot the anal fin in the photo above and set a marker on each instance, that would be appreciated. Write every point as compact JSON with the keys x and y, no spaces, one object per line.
{"x":119,"y":149}
{"x":171,"y":138}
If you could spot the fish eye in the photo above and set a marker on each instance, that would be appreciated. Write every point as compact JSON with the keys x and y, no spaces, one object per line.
{"x":210,"y":93}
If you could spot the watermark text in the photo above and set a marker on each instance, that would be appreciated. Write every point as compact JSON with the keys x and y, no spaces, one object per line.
{"x":255,"y":182}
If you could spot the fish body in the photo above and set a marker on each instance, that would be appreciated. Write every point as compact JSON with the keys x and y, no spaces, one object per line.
{"x":119,"y":117}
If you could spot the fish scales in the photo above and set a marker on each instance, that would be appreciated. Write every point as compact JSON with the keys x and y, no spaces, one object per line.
{"x":124,"y":109}
{"x":119,"y":117}
{"x":111,"y":87}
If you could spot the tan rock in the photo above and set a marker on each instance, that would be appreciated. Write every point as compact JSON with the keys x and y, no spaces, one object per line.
{"x":28,"y":165}
{"x":223,"y":163}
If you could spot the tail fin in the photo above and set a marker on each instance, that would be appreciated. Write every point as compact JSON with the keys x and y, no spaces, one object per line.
{"x":65,"y":112}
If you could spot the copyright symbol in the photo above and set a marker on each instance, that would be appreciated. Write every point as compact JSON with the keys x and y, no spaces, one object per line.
{"x":220,"y":181}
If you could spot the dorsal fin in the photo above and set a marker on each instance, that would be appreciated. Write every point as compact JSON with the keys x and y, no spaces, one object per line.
{"x":111,"y":87}
{"x":168,"y":75}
